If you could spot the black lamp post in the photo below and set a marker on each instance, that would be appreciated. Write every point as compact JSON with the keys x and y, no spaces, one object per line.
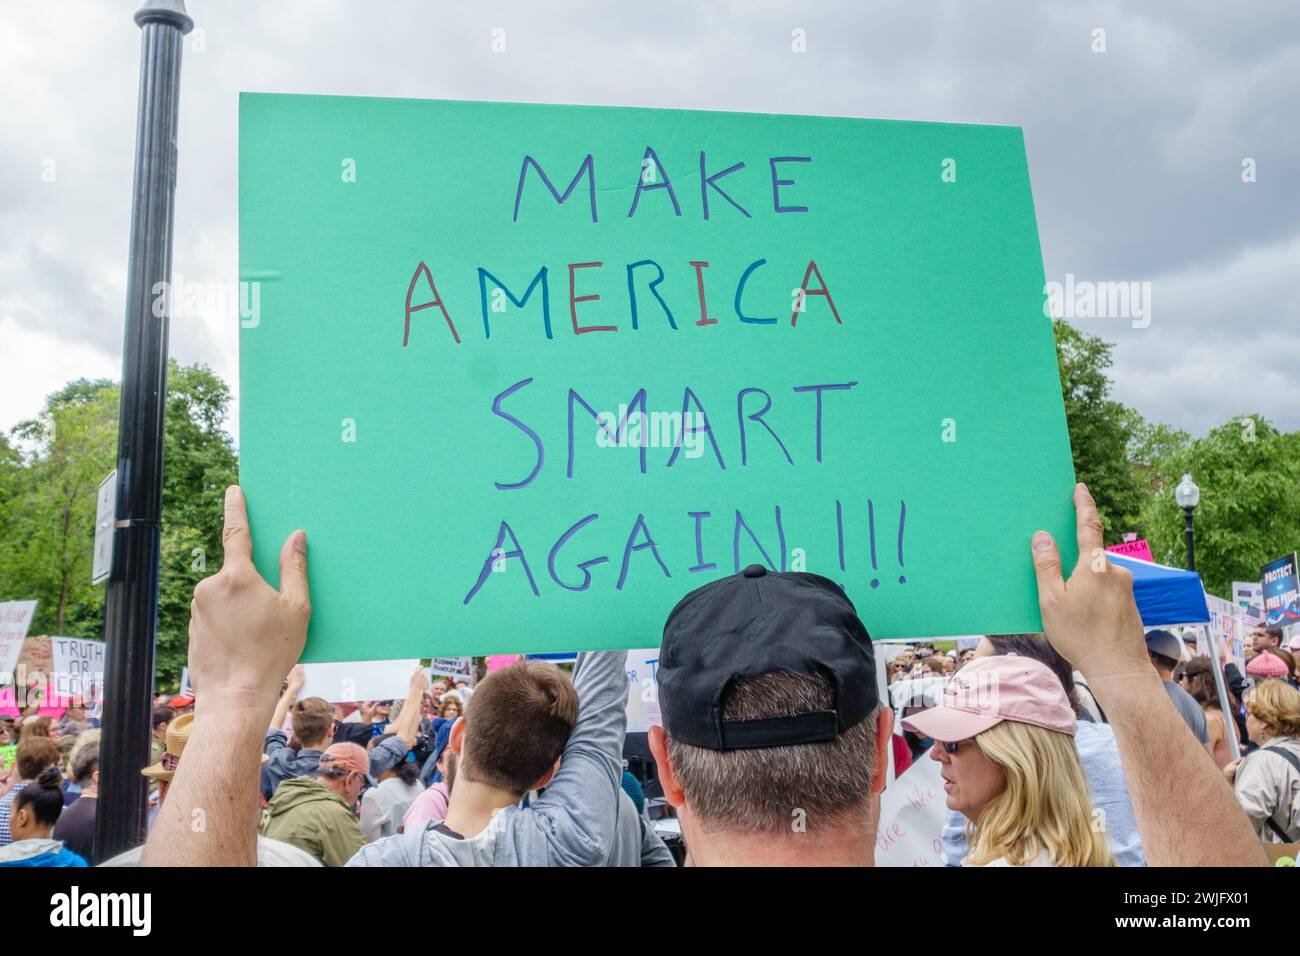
{"x":1188,"y":497}
{"x":131,"y":606}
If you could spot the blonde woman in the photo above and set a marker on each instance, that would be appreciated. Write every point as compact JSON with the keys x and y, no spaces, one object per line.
{"x":1004,"y":734}
{"x":1267,"y":781}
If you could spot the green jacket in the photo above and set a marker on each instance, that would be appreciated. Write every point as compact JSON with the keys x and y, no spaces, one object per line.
{"x":312,"y":817}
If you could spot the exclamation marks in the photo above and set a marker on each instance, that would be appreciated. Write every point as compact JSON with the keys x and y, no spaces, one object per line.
{"x":902,"y":520}
{"x":839,"y":535}
{"x":871,"y":529}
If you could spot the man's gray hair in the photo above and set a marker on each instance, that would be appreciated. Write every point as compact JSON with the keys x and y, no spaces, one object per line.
{"x":778,"y":790}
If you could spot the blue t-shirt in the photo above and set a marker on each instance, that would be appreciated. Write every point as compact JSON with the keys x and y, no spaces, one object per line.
{"x":60,"y":857}
{"x":1099,"y":754}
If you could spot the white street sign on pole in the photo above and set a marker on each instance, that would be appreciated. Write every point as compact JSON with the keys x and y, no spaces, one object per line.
{"x":105,"y":519}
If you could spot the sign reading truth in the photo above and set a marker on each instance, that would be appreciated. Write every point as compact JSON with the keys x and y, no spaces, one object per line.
{"x":528,"y":374}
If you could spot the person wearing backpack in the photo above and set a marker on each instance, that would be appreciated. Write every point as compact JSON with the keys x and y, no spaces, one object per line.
{"x":1267,"y":781}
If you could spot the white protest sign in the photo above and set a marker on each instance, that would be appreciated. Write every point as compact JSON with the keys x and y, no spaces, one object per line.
{"x":78,"y":665}
{"x":916,"y":692}
{"x":359,"y":680}
{"x":1250,"y":595}
{"x":1199,"y":634}
{"x":15,"y":620}
{"x":1229,"y":628}
{"x":642,"y":690}
{"x":461,"y":668}
{"x":912,"y":815}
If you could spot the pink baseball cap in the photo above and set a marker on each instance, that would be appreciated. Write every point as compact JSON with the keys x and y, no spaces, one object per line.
{"x":990,"y":690}
{"x":1266,"y":665}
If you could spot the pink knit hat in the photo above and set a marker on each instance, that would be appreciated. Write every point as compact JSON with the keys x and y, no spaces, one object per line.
{"x":1266,"y":665}
{"x":990,"y":690}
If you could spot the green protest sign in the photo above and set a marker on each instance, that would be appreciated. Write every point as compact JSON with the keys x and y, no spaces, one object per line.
{"x":528,"y":374}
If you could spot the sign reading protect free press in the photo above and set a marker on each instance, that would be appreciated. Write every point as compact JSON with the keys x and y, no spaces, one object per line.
{"x":528,"y":374}
{"x":1280,"y":581}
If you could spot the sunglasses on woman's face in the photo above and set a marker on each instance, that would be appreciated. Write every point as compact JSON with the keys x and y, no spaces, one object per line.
{"x":952,"y":746}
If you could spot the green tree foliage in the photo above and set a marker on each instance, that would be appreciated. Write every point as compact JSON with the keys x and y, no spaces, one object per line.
{"x":1101,"y":429}
{"x":11,"y":483}
{"x":48,"y":520}
{"x":1249,"y":476}
{"x":50,"y":469}
{"x":199,"y":463}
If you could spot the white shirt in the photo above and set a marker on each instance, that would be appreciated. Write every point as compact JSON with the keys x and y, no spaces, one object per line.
{"x":383,"y":807}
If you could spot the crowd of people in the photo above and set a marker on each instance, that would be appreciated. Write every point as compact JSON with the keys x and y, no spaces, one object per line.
{"x":1264,"y":704}
{"x":49,"y":780}
{"x":1094,"y":743}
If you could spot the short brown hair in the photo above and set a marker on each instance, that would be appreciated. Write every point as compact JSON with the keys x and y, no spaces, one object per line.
{"x":761,"y":790}
{"x":1287,"y":658}
{"x":516,"y":730}
{"x":34,"y":755}
{"x":313,"y":720}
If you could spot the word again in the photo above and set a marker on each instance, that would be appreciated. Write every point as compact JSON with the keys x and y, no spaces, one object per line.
{"x":743,"y":535}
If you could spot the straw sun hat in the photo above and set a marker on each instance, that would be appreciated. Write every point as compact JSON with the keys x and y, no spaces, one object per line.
{"x":178,"y":734}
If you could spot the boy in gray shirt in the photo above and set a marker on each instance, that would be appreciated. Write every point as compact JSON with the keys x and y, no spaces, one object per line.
{"x":529,"y":728}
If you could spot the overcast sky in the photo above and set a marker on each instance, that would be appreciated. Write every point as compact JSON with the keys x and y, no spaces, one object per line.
{"x":1135,"y":153}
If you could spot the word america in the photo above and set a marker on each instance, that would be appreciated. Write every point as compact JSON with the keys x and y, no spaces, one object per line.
{"x":653,"y":177}
{"x":493,"y":293}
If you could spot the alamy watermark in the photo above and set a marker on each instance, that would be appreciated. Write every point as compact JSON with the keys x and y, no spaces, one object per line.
{"x":179,"y":299}
{"x":1084,"y":299}
{"x":655,"y":429}
{"x":76,"y":908}
{"x":80,"y":687}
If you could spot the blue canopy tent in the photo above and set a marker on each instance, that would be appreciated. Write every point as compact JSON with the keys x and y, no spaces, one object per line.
{"x":1164,"y":595}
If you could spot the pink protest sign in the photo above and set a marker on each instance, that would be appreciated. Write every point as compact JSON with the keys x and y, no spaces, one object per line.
{"x":43,"y":697}
{"x":33,"y":684}
{"x":1134,"y":549}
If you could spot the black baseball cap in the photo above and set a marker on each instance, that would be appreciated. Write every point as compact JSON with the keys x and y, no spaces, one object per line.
{"x":760,"y":622}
